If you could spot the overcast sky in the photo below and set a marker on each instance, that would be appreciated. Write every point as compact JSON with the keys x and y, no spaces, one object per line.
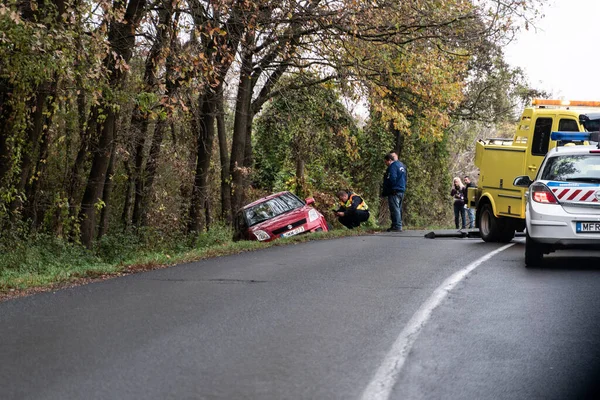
{"x":563,"y":55}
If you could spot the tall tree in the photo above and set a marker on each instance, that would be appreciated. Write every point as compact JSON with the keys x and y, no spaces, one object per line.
{"x":32,"y":32}
{"x":221,"y":29}
{"x":121,"y":39}
{"x":224,"y":159}
{"x":162,"y":47}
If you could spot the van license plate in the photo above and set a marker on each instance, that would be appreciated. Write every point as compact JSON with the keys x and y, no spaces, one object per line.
{"x":293,"y":232}
{"x":587,"y":227}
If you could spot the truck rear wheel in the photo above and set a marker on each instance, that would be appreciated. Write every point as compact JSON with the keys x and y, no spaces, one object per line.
{"x":507,"y":231}
{"x":488,"y":224}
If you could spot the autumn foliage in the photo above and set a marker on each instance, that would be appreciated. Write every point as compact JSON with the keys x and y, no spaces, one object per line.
{"x":168,"y":115}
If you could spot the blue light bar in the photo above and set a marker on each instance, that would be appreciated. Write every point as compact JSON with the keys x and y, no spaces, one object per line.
{"x":570,"y":136}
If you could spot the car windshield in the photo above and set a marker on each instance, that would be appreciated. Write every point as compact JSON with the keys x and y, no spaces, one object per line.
{"x":271,"y":208}
{"x":573,"y":167}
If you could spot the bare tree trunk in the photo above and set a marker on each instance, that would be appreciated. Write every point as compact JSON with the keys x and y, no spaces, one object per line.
{"x":399,"y":136}
{"x":6,"y":111}
{"x":85,"y":129}
{"x":206,"y":134}
{"x":300,"y":184}
{"x":140,"y":126}
{"x":185,"y":188}
{"x":97,"y":178}
{"x":207,"y":218}
{"x":30,"y":150}
{"x":151,"y":168}
{"x":5,"y":157}
{"x":383,"y":218}
{"x":248,"y":159}
{"x":224,"y":157}
{"x":240,"y":131}
{"x":125,"y":220}
{"x":33,"y":183}
{"x":108,"y":188}
{"x":33,"y":192}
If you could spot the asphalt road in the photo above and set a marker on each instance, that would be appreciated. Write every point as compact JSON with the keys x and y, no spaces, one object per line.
{"x":318,"y":320}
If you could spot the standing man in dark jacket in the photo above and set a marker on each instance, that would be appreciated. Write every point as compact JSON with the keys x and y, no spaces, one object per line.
{"x":470,"y":211}
{"x":394,"y":186}
{"x":352,"y":211}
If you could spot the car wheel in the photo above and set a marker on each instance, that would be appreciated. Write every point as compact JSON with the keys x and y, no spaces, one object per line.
{"x":488,"y":224}
{"x":534,"y":252}
{"x":329,"y":227}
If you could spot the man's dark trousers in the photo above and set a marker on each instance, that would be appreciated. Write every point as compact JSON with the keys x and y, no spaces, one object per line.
{"x":354,"y":219}
{"x":395,"y":205}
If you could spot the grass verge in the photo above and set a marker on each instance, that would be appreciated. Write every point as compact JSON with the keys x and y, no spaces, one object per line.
{"x":42,"y":263}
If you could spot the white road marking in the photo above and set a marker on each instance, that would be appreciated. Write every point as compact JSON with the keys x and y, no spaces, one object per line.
{"x":386,"y":376}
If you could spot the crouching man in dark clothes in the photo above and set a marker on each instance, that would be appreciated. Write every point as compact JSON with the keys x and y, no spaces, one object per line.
{"x":353,"y":209}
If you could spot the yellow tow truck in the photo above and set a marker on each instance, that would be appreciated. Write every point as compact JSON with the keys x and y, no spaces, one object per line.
{"x":500,"y":206}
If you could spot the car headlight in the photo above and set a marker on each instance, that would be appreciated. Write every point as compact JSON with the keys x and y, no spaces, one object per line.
{"x":261,"y":235}
{"x":313,"y":215}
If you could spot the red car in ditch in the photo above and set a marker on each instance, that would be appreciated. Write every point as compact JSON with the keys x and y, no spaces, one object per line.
{"x":278,"y":215}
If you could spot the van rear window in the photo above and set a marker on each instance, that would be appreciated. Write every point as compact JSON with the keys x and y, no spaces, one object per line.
{"x":574,"y":167}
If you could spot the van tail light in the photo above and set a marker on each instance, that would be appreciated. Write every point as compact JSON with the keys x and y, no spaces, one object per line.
{"x":540,"y":193}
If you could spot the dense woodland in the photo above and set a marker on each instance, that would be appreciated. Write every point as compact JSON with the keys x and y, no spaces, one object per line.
{"x":163,"y":117}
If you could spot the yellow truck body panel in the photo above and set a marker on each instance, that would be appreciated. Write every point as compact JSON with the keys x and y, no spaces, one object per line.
{"x":499,"y":166}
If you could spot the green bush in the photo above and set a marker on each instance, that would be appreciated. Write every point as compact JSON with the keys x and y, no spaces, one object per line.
{"x":117,"y":248}
{"x":219,"y":234}
{"x":41,"y":254}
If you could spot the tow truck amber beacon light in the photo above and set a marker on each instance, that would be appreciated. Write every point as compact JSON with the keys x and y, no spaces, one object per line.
{"x":565,"y":103}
